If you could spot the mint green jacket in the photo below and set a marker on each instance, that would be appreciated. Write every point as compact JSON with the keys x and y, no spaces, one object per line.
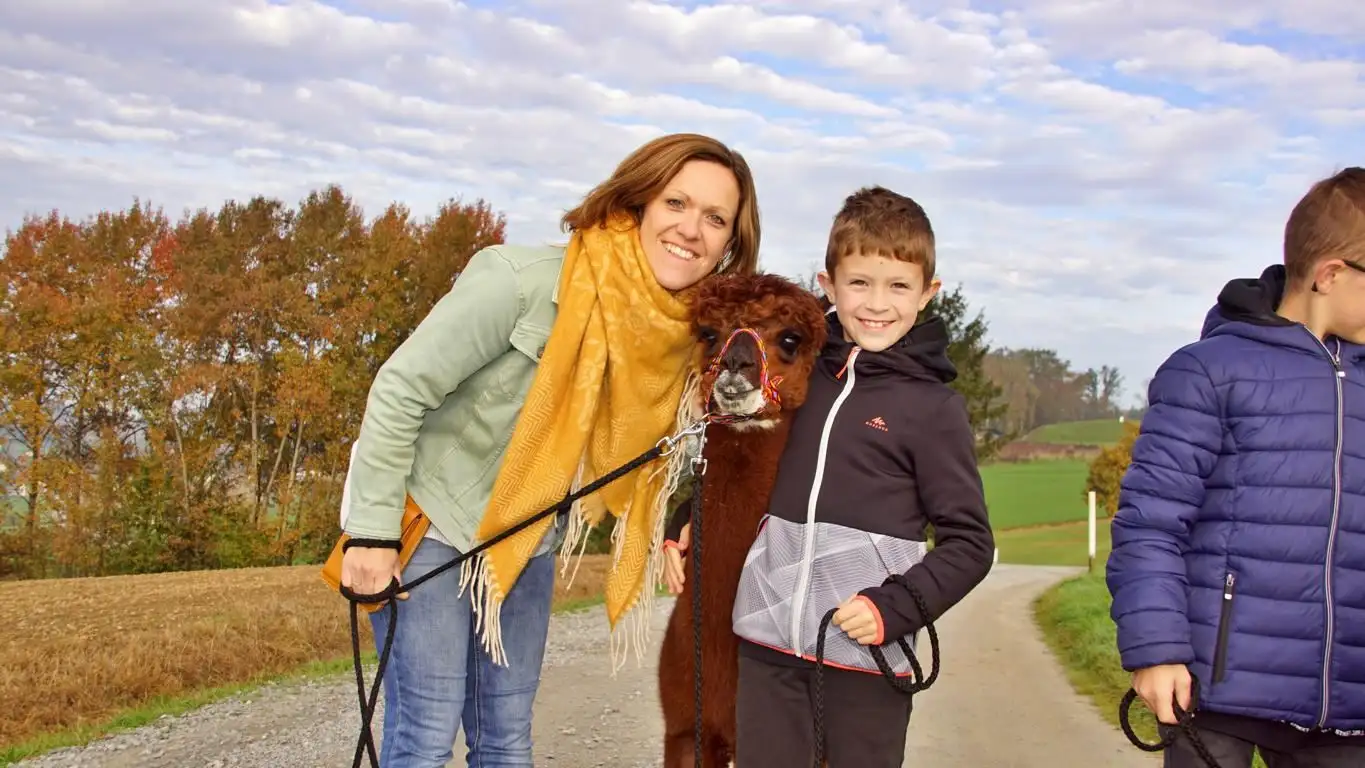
{"x":441,"y":409}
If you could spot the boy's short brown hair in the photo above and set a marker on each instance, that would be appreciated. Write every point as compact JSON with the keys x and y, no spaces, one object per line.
{"x":877,"y":221}
{"x":1327,"y":223}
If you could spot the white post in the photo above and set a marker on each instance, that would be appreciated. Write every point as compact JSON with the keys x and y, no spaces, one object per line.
{"x":1092,"y":531}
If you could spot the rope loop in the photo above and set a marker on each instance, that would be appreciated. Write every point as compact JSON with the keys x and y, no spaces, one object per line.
{"x":1184,"y":725}
{"x":916,"y":683}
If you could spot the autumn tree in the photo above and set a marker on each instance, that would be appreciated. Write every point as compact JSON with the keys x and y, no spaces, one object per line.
{"x":1018,"y":391}
{"x":1107,"y":470}
{"x":43,"y":278}
{"x":183,"y":395}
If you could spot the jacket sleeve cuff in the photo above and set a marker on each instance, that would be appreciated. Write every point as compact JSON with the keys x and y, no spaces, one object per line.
{"x":677,"y":521}
{"x":876,"y":614}
{"x":374,"y":523}
{"x":889,"y":621}
{"x":1155,"y":654}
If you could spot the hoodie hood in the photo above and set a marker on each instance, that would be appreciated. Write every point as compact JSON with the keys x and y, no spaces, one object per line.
{"x":922,"y":353}
{"x":1249,"y":300}
{"x":1246,"y":307}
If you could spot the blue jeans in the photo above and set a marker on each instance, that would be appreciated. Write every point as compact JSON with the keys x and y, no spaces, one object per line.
{"x":439,"y":676}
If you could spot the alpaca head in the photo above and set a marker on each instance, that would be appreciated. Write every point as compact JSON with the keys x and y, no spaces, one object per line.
{"x":729,"y":312}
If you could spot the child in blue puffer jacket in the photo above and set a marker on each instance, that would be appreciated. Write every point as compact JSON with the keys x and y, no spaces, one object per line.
{"x":1239,"y":543}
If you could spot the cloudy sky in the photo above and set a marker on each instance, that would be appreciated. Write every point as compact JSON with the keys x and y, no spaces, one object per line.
{"x":1095,"y":169}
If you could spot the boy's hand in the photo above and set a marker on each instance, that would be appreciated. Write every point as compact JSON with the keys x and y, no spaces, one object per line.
{"x":858,"y":620}
{"x":673,"y":561}
{"x":1161,"y":684}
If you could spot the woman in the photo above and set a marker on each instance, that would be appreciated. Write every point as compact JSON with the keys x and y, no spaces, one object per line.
{"x":542,"y":368}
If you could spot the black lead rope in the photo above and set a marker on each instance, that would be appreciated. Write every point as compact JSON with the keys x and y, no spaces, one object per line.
{"x":365,"y":744}
{"x":698,"y":471}
{"x":1184,"y":721}
{"x":915,"y":684}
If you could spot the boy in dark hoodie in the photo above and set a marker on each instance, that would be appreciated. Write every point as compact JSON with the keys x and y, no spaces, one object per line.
{"x":1239,"y":542}
{"x":881,"y":448}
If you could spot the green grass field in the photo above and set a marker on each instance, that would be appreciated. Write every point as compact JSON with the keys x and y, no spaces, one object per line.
{"x":1096,"y":432}
{"x":1035,"y":492}
{"x":1054,"y":544}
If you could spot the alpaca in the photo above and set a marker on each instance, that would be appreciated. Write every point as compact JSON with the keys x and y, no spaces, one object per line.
{"x":743,"y":443}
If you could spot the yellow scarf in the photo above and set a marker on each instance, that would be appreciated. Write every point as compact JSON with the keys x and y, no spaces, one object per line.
{"x":608,"y":386}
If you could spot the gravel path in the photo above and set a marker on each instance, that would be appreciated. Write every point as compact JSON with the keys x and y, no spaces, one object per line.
{"x":1002,"y":700}
{"x":978,"y":714}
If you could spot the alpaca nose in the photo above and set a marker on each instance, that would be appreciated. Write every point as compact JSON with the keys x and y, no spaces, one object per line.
{"x":741,"y":356}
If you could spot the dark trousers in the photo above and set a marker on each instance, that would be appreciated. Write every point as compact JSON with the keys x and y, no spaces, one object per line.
{"x":865,"y":718}
{"x":1310,"y":751}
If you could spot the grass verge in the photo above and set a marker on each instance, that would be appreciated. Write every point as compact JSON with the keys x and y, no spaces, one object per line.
{"x":1074,"y":618}
{"x":83,"y":658}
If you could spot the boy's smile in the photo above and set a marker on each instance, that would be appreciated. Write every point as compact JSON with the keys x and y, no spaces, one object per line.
{"x":877,"y":298}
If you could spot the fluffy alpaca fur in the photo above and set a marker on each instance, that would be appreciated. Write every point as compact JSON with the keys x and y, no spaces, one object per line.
{"x":742,"y":460}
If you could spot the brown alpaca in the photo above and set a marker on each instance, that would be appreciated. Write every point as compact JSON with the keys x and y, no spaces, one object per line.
{"x":741,"y":467}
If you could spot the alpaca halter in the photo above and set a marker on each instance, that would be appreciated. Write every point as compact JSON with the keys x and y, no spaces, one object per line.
{"x":767,"y":383}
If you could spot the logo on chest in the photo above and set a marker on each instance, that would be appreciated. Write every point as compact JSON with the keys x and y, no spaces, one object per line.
{"x":877,"y":422}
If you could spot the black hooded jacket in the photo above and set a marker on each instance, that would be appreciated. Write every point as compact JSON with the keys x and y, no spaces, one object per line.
{"x":881,"y":448}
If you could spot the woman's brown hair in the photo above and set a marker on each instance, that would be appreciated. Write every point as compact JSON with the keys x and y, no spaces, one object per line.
{"x":642,"y":175}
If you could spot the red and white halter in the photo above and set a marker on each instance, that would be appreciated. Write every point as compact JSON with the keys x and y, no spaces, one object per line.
{"x":767,"y":383}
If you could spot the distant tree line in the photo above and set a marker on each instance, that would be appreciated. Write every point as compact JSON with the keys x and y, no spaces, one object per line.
{"x":183,"y":394}
{"x":1038,"y":387}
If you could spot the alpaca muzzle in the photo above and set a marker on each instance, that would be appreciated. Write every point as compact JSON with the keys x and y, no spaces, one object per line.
{"x":741,"y":386}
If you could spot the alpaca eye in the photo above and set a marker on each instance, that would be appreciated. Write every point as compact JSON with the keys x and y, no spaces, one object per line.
{"x":707,"y":335}
{"x":789,"y":342}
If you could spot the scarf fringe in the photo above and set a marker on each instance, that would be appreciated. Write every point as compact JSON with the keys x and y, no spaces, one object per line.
{"x":487,"y":610}
{"x":575,"y":533}
{"x":640,"y":615}
{"x":634,"y":631}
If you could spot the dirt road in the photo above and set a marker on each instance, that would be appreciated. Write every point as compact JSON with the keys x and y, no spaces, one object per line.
{"x":1001,"y":702}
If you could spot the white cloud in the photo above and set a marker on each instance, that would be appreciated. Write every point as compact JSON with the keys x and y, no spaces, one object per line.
{"x":1095,"y":169}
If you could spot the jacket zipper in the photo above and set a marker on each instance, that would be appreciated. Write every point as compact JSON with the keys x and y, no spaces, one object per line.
{"x":1340,"y":374}
{"x":808,"y":548}
{"x":1220,"y":653}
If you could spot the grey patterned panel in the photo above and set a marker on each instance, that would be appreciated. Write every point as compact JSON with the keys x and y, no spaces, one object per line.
{"x":847,"y":560}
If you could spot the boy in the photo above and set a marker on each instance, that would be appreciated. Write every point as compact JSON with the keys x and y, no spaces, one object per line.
{"x":881,"y":448}
{"x":1239,"y":543}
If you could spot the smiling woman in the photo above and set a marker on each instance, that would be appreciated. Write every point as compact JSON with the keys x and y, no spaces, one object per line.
{"x":693,"y":201}
{"x":542,"y":368}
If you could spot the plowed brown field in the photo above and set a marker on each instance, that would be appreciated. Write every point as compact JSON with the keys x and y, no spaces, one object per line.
{"x":77,"y":651}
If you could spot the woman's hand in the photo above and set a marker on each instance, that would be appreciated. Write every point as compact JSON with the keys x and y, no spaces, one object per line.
{"x":369,"y":570}
{"x":673,"y":561}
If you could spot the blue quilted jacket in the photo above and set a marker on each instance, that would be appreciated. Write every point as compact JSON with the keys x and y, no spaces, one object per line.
{"x":1239,"y":542}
